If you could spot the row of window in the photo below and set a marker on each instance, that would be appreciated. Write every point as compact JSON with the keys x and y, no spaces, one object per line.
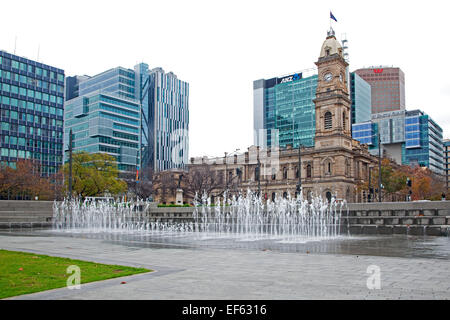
{"x":32,"y":69}
{"x":30,"y":106}
{"x":22,"y":154}
{"x":12,"y":127}
{"x":32,"y":143}
{"x":14,"y":115}
{"x":31,"y":93}
{"x":31,"y":81}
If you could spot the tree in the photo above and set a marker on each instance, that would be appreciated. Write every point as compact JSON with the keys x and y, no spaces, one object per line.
{"x":201,"y":179}
{"x":24,"y":182}
{"x":393,"y":179}
{"x":142,"y":187}
{"x":94,"y":175}
{"x":426,"y":185}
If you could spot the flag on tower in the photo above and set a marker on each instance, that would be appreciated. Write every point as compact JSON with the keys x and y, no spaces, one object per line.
{"x":332,"y":17}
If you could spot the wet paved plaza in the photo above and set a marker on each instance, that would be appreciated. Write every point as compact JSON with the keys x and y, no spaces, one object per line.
{"x":192,"y":267}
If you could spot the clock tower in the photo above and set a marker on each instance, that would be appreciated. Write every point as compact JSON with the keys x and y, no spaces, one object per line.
{"x":333,"y":117}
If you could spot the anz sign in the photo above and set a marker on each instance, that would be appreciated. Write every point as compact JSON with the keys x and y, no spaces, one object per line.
{"x":292,"y":77}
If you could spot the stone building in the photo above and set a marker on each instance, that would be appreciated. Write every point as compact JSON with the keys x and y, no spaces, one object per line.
{"x":335,"y":166}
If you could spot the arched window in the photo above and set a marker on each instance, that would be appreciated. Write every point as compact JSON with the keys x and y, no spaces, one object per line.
{"x":285,"y":194}
{"x":274,"y":175}
{"x":273,"y":196}
{"x":343,"y":120}
{"x":308,"y":171}
{"x":296,"y":172}
{"x":285,"y":173}
{"x":328,"y":196}
{"x":328,"y":120}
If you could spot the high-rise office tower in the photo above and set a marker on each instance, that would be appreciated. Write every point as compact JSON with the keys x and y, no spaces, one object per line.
{"x":409,"y":137}
{"x":31,"y":104}
{"x":447,"y":162}
{"x":360,"y":94}
{"x":284,"y":111}
{"x":163,"y":113}
{"x":387,"y":88}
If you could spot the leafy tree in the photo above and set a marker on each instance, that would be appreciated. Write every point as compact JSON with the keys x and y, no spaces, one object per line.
{"x":94,"y":175}
{"x":426,"y":185}
{"x":24,"y":182}
{"x":393,"y":179}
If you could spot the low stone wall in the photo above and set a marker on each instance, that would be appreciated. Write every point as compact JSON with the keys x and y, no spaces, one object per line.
{"x":16,"y":214}
{"x":414,"y":218}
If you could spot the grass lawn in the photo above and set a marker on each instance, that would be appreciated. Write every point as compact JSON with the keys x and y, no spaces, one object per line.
{"x":22,"y":273}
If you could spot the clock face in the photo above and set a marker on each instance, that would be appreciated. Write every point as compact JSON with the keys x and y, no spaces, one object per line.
{"x":328,"y":77}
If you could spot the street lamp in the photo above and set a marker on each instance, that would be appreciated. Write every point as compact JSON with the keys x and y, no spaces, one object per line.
{"x":70,"y":164}
{"x":379,"y":167}
{"x":299,"y":183}
{"x":226,"y":166}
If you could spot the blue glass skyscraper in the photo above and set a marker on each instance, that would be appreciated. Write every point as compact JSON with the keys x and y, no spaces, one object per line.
{"x":360,"y":93}
{"x":284,"y":111}
{"x":31,"y":104}
{"x":409,"y":137}
{"x":163,"y":115}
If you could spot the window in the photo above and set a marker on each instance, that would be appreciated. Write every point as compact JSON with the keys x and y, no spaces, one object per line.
{"x":285,"y":173}
{"x":343,"y":120}
{"x":308,"y":171}
{"x":328,"y":120}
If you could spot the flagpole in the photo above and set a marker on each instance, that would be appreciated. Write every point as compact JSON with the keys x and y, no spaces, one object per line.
{"x":330,"y":20}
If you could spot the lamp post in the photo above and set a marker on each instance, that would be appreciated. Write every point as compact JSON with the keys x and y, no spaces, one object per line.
{"x":379,"y":167}
{"x":258,"y":168}
{"x":299,"y":183}
{"x":226,"y":167}
{"x":70,"y":165}
{"x":370,"y":185}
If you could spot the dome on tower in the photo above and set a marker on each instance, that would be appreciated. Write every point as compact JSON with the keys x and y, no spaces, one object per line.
{"x":330,"y":46}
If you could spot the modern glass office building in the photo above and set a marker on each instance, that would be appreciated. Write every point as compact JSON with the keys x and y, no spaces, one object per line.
{"x":105,"y":123}
{"x":423,"y":142}
{"x":366,"y":133}
{"x":31,"y":104}
{"x":163,"y":111}
{"x":447,"y":162}
{"x":284,"y":111}
{"x":168,"y":115}
{"x":409,"y":137}
{"x":360,"y":93}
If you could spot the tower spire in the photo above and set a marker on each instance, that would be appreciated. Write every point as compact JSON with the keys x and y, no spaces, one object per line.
{"x":330,"y":33}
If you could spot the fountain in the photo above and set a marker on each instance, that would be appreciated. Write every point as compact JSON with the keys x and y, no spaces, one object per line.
{"x":243,"y":217}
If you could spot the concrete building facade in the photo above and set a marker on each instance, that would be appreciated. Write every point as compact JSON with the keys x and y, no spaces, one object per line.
{"x":387,"y":87}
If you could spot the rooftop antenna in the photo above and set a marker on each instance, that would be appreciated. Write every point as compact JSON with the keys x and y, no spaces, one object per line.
{"x":345,"y":47}
{"x":15,"y":45}
{"x":39,"y":48}
{"x":346,"y":57}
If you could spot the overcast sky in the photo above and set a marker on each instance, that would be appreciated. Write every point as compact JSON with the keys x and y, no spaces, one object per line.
{"x":220,"y":47}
